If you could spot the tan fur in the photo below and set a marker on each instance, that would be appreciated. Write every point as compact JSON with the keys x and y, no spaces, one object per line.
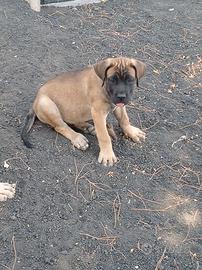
{"x":7,"y":191}
{"x":77,"y":97}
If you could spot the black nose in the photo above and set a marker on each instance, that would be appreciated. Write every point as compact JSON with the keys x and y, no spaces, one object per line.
{"x":121,"y":96}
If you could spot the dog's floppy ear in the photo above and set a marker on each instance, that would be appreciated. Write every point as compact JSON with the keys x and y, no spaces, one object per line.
{"x":102,"y":67}
{"x":139,"y":68}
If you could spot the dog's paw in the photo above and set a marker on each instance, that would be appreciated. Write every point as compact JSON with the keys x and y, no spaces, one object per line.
{"x":7,"y":191}
{"x":136,"y":134}
{"x":80,"y":142}
{"x":107,"y":158}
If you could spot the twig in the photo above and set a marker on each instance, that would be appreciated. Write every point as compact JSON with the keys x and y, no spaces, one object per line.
{"x":160,"y":260}
{"x":188,"y":232}
{"x":140,"y":107}
{"x":142,"y":198}
{"x":157,"y":171}
{"x":193,"y":124}
{"x":182,"y":138}
{"x":78,"y":174}
{"x":5,"y":266}
{"x":17,"y":158}
{"x":161,"y":209}
{"x":110,"y":240}
{"x":193,"y":239}
{"x":83,"y":196}
{"x":93,"y":186}
{"x":176,"y":265}
{"x":152,"y":125}
{"x":55,"y":142}
{"x":15,"y":253}
{"x":139,"y":120}
{"x":117,"y":209}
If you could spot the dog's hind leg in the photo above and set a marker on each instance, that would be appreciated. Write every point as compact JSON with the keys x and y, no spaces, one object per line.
{"x":88,"y":128}
{"x":48,"y":112}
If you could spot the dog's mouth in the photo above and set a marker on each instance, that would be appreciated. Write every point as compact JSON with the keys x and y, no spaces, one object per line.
{"x":120,"y":104}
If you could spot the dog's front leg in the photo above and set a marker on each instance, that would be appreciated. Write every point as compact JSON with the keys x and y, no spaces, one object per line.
{"x":134,"y":133}
{"x":106,"y":155}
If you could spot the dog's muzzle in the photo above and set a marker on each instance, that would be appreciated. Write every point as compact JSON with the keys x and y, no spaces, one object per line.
{"x":121,"y":100}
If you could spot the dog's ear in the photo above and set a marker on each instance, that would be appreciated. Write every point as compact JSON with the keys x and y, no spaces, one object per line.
{"x":139,"y":68}
{"x":102,"y":67}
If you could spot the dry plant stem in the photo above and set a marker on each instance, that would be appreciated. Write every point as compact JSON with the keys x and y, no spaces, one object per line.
{"x":152,"y":126}
{"x":140,"y":107}
{"x":78,"y":174}
{"x":139,"y":120}
{"x":188,"y":232}
{"x":93,"y":186}
{"x":162,"y":209}
{"x":157,"y":171}
{"x":175,"y":264}
{"x":116,"y":209}
{"x":196,"y":123}
{"x":113,"y":243}
{"x":142,"y":198}
{"x":110,"y":240}
{"x":85,"y":200}
{"x":195,"y":173}
{"x":6,"y":267}
{"x":19,"y":158}
{"x":15,"y":252}
{"x":180,"y":177}
{"x":91,"y":191}
{"x":15,"y":256}
{"x":194,"y":239}
{"x":191,"y":186}
{"x":55,"y":143}
{"x":160,"y":260}
{"x":96,"y":185}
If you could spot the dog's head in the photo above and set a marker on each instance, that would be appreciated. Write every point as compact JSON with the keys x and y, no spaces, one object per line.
{"x":120,"y":76}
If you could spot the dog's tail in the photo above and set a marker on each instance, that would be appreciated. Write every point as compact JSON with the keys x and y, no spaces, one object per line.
{"x":29,"y":121}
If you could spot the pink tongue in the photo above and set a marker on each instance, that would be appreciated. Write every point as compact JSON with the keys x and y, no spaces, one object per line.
{"x":119,"y":104}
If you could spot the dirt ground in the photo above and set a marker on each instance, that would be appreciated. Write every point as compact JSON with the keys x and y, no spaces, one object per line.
{"x":70,"y":212}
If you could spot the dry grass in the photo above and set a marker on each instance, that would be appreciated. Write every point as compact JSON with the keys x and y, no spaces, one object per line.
{"x":194,"y":69}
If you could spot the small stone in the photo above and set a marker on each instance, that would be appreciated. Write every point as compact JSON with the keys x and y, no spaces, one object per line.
{"x":64,"y":252}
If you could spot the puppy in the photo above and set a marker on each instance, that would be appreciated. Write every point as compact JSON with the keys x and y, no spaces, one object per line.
{"x":76,"y":97}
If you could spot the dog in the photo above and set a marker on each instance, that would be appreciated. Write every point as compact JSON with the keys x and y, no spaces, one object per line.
{"x":76,"y":97}
{"x":7,"y":191}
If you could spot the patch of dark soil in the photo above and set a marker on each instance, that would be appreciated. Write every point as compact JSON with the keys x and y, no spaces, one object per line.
{"x":69,"y":212}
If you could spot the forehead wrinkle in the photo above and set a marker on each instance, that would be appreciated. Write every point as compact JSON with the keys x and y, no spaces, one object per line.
{"x":121,"y":67}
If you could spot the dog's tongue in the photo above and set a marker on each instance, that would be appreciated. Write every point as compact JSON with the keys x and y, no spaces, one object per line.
{"x":120,"y":104}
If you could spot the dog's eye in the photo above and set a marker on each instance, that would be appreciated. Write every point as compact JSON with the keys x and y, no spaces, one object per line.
{"x":129,"y":79}
{"x":113,"y":79}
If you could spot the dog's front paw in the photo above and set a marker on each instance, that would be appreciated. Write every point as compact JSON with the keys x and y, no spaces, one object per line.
{"x":107,"y":157}
{"x":7,"y":191}
{"x":136,"y":134}
{"x":80,"y":142}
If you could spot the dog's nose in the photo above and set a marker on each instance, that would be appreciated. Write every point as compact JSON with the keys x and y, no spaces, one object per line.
{"x":121,"y":96}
